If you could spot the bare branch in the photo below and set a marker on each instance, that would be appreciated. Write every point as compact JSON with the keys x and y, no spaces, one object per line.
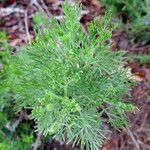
{"x":26,"y":26}
{"x":7,"y":11}
{"x":13,"y":125}
{"x":36,"y":3}
{"x":46,"y":9}
{"x":133,"y":139}
{"x":38,"y":141}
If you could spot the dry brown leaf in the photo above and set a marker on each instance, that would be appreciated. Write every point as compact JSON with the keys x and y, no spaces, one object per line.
{"x":15,"y":42}
{"x":136,"y":78}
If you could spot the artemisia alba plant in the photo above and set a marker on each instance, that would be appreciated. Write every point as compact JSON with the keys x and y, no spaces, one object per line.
{"x":70,"y":80}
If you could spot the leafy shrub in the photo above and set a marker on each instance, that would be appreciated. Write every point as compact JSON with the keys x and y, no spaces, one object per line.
{"x":4,"y":50}
{"x":70,"y":81}
{"x":141,"y":59}
{"x":4,"y":63}
{"x":137,"y":13}
{"x":9,"y":141}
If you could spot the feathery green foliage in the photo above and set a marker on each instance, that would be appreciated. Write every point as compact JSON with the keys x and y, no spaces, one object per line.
{"x":4,"y":51}
{"x":138,"y":14}
{"x":8,"y":140}
{"x":4,"y":63}
{"x":141,"y":58}
{"x":64,"y":76}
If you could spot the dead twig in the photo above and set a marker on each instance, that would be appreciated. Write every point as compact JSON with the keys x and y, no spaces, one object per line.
{"x":7,"y":11}
{"x":26,"y":26}
{"x":146,"y":146}
{"x":46,"y":9}
{"x":133,"y":139}
{"x":36,"y":3}
{"x":38,"y":141}
{"x":12,"y":126}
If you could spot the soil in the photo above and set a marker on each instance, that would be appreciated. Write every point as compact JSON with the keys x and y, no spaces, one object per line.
{"x":18,"y":24}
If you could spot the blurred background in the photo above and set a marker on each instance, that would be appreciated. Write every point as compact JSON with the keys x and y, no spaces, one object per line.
{"x":19,"y":20}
